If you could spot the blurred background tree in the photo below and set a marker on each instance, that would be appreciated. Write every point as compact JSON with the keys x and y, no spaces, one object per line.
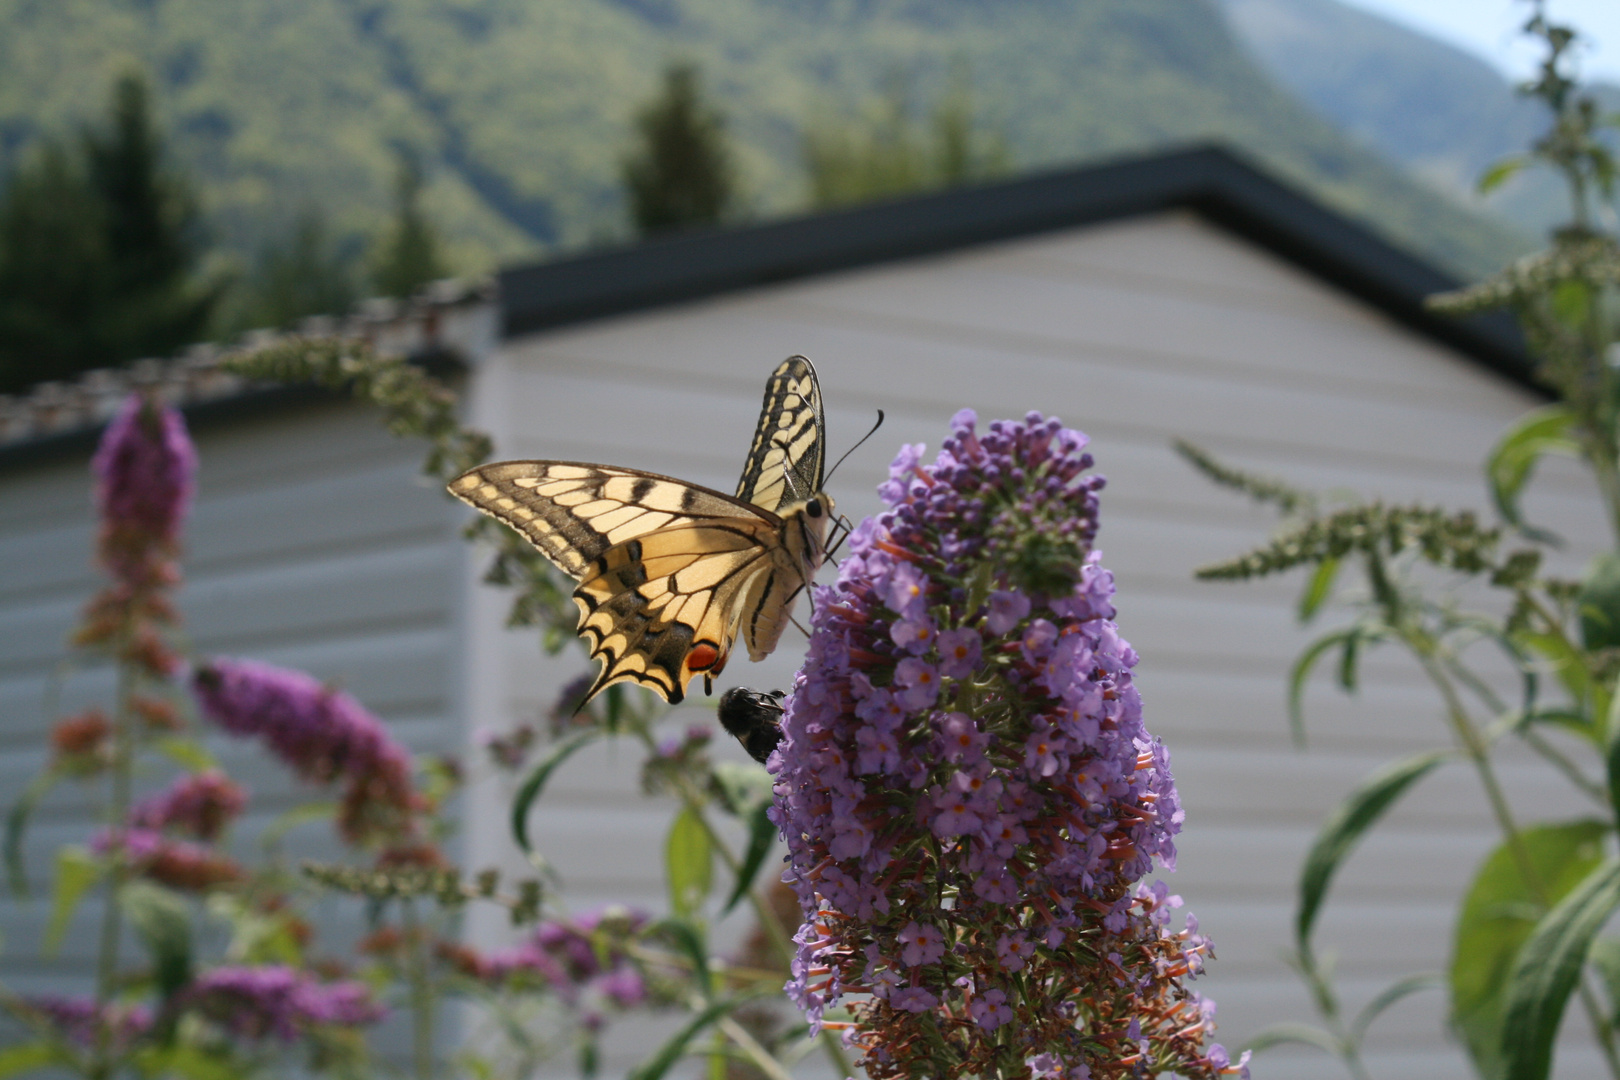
{"x":100,"y":251}
{"x":679,"y":175}
{"x":305,"y":274}
{"x":889,"y":152}
{"x":410,"y":254}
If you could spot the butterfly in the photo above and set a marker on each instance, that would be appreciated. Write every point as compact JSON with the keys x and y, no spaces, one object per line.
{"x":671,"y":573}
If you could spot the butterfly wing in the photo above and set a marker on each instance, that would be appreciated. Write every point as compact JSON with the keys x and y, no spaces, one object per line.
{"x":787,"y":458}
{"x":667,"y":570}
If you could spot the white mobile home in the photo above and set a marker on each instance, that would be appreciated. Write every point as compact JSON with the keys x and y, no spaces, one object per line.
{"x":1185,"y":295}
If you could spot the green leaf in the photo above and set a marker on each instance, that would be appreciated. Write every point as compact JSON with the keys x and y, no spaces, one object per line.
{"x":762,"y":832}
{"x":1508,"y":466}
{"x":536,"y":782}
{"x":288,"y":820}
{"x":162,"y":920}
{"x":742,"y":787}
{"x":1499,"y":174}
{"x":17,"y":827}
{"x":189,"y":754}
{"x":1301,"y":673}
{"x":1548,"y":967}
{"x":27,"y":1057}
{"x":1598,"y":602}
{"x":186,"y":1063}
{"x":1344,"y":828}
{"x":1567,"y":663}
{"x":1291,"y":1033}
{"x":1498,"y":913}
{"x":688,"y":863}
{"x":77,"y":871}
{"x":1318,"y":588}
{"x":1605,"y":957}
{"x":1412,"y":984}
{"x":689,"y":939}
{"x":660,"y":1063}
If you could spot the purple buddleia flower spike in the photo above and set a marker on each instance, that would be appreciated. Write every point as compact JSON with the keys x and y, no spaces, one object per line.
{"x":278,"y":1001}
{"x":323,"y":734}
{"x":968,"y":793}
{"x":145,"y":470}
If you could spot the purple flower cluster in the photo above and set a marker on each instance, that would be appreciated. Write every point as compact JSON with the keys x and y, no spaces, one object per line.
{"x":175,"y":863}
{"x":279,"y":1001}
{"x":199,"y":805}
{"x":145,"y":469}
{"x":323,"y":735}
{"x":82,"y":1021}
{"x":968,"y":792}
{"x":584,"y":960}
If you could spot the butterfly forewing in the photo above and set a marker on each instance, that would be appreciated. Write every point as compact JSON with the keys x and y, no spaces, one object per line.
{"x":785,"y":462}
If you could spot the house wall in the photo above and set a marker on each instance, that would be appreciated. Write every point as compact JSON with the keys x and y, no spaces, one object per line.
{"x":315,"y":544}
{"x":1136,"y":332}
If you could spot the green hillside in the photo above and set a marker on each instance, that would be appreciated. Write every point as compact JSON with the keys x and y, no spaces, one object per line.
{"x":1443,"y":113}
{"x":521,"y":109}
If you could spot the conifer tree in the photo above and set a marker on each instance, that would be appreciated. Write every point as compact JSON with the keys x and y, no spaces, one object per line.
{"x":99,"y":252}
{"x":680,"y":174}
{"x":305,"y":274}
{"x":409,"y":256}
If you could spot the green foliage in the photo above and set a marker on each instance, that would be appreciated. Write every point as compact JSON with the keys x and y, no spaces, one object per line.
{"x":887,"y":153}
{"x":1514,"y":887}
{"x":688,"y":863}
{"x":519,"y":111}
{"x":680,"y":173}
{"x":1524,"y":930}
{"x":99,"y":252}
{"x":304,"y":274}
{"x":408,"y":256}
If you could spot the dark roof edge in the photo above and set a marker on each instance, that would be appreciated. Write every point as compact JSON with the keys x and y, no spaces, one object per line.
{"x":1211,"y":180}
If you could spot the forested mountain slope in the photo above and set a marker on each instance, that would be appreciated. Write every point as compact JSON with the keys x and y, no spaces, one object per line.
{"x":521,"y":109}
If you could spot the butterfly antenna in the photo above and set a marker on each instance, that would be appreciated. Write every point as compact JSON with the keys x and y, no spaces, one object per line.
{"x":854,"y":448}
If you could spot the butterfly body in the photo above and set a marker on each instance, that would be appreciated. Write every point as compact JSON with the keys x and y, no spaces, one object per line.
{"x":671,"y":573}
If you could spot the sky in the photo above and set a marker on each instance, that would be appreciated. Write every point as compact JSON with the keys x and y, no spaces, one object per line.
{"x":1490,"y":29}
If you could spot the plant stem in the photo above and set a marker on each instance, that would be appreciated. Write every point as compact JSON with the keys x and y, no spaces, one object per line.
{"x":781,"y":944}
{"x":421,"y":995}
{"x":112,"y":915}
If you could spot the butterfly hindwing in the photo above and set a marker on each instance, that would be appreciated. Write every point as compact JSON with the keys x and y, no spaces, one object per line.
{"x":786,"y":459}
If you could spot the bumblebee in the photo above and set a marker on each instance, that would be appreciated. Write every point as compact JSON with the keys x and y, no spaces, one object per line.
{"x":754,"y":718}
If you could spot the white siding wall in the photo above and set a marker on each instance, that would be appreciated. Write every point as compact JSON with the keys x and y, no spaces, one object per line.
{"x":314,"y":544}
{"x":1136,"y":333}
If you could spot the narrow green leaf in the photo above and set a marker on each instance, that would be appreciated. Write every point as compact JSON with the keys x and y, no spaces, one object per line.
{"x":1318,"y":588}
{"x":1412,"y":984}
{"x":1300,"y":1034}
{"x":1509,"y":465}
{"x":1547,"y":969}
{"x":186,"y":1063}
{"x":1568,"y":664}
{"x":660,"y":1063}
{"x":1598,"y":602}
{"x":689,"y":939}
{"x":536,"y":782}
{"x":1344,"y":828}
{"x":1498,"y":914}
{"x":1301,"y":673}
{"x":688,"y":863}
{"x":189,"y":754}
{"x":26,"y":1057}
{"x":77,"y":871}
{"x":1612,"y":755}
{"x":162,"y":920}
{"x":1348,"y":659}
{"x":288,"y":820}
{"x":17,"y":828}
{"x":1499,"y":173}
{"x":762,"y":833}
{"x":1605,"y":957}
